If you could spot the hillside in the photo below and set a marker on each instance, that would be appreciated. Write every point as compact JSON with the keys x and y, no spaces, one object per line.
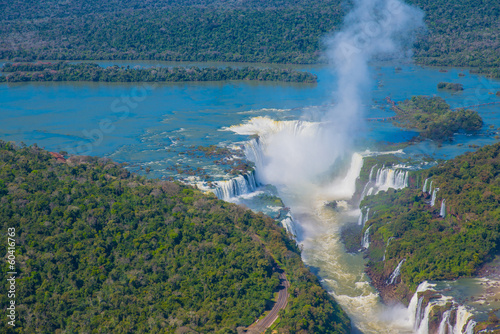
{"x":101,"y":250}
{"x":409,"y":224}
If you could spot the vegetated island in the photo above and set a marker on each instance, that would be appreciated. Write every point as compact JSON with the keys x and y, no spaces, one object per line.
{"x":63,"y":71}
{"x":463,"y":34}
{"x":445,"y":225}
{"x":433,"y":118}
{"x":100,"y":249}
{"x":450,"y":86}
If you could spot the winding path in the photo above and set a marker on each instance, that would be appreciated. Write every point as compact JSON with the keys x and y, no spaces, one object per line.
{"x":270,"y":318}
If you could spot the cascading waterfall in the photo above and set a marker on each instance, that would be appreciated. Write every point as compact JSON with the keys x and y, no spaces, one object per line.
{"x":425,"y":185}
{"x":387,"y":246}
{"x":422,"y":327}
{"x":445,"y":327}
{"x":378,"y":173}
{"x":419,"y":314}
{"x":387,"y":178}
{"x":289,"y":224}
{"x":463,"y":316}
{"x":371,"y":173}
{"x":360,"y":218}
{"x":367,"y":216}
{"x":384,"y":179}
{"x":253,"y":152}
{"x":470,"y":327}
{"x":430,"y":187}
{"x":242,"y":184}
{"x":365,"y":242}
{"x":433,"y":199}
{"x":395,"y":273}
{"x":364,"y":193}
{"x":442,"y":212}
{"x":424,"y":324}
{"x":363,"y":218}
{"x":413,"y":307}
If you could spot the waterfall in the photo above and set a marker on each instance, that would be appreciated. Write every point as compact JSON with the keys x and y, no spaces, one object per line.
{"x":371,"y":173}
{"x":378,"y":173}
{"x":364,"y":192}
{"x":462,"y":319}
{"x":367,"y":216}
{"x":430,"y":187}
{"x":470,"y":327}
{"x":360,"y":219}
{"x":423,"y":327}
{"x":289,"y":224}
{"x":253,"y":152}
{"x":365,"y":242}
{"x":419,"y":314}
{"x":433,"y":199}
{"x":363,"y":218}
{"x":444,"y":326}
{"x":425,"y":185}
{"x":391,"y":178}
{"x":395,"y":273}
{"x":442,"y":213}
{"x":242,"y":184}
{"x":387,"y":246}
{"x":290,"y":152}
{"x":413,"y":306}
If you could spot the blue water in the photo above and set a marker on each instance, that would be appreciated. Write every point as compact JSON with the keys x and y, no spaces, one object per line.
{"x":152,"y":123}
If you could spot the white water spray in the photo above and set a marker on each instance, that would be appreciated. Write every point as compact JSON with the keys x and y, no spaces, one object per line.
{"x":371,"y":173}
{"x":470,"y":327}
{"x":433,"y":198}
{"x":240,"y":185}
{"x":391,"y":178}
{"x":444,"y":326}
{"x":363,"y":218}
{"x":425,"y":185}
{"x":395,"y":273}
{"x":420,"y":309}
{"x":289,"y":224}
{"x":442,"y":212}
{"x":365,"y":242}
{"x":301,"y":158}
{"x":387,"y":246}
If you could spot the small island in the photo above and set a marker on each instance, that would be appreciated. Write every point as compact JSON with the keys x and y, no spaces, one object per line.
{"x":433,"y":118}
{"x":450,"y":86}
{"x":64,"y":71}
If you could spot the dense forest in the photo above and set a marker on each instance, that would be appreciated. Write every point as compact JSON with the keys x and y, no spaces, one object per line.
{"x":101,"y":250}
{"x":436,"y":241}
{"x":434,"y":119}
{"x":60,"y":71}
{"x":460,"y":33}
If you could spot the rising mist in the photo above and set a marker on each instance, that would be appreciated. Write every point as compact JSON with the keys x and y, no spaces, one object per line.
{"x":299,"y":154}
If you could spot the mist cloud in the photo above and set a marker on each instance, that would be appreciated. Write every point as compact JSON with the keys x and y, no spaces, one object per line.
{"x":300,"y":154}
